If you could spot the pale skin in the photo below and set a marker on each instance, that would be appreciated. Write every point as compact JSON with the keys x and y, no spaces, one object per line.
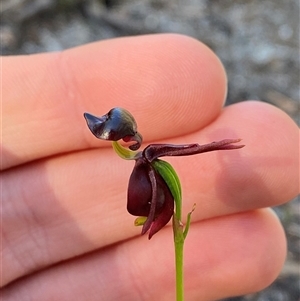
{"x":66,"y":234}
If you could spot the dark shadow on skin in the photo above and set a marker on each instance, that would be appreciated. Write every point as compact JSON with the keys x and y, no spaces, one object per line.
{"x":240,"y":176}
{"x":244,"y":179}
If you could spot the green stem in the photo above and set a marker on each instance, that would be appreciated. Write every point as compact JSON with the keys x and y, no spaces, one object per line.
{"x":179,"y":272}
{"x":178,"y":244}
{"x":169,"y":175}
{"x":123,"y":152}
{"x":179,"y":237}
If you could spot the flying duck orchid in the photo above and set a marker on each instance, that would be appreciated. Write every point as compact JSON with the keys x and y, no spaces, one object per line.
{"x":153,"y":185}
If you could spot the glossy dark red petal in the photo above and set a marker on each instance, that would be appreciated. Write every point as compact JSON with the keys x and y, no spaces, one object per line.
{"x":139,"y":190}
{"x":117,"y":124}
{"x":154,"y":151}
{"x":165,"y":210}
{"x":149,"y":196}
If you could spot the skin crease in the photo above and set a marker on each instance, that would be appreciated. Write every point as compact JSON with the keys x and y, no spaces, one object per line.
{"x":66,"y":232}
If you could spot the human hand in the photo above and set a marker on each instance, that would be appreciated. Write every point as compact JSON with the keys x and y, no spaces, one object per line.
{"x":66,"y":234}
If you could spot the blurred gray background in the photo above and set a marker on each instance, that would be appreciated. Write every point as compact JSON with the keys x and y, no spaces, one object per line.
{"x":257,"y":41}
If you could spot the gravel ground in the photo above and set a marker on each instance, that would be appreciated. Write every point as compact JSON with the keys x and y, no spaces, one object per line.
{"x":257,"y":41}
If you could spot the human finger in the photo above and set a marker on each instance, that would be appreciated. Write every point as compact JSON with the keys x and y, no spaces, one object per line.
{"x":262,"y":174}
{"x":226,"y":256}
{"x":80,"y":194}
{"x":172,"y":81}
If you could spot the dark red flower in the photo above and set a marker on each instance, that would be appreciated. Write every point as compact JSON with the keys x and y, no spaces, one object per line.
{"x":148,"y":193}
{"x":117,"y":124}
{"x":150,"y":196}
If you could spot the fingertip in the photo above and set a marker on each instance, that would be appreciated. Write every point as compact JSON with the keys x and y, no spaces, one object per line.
{"x":173,"y":84}
{"x":238,"y":254}
{"x":263,"y":173}
{"x":272,"y":146}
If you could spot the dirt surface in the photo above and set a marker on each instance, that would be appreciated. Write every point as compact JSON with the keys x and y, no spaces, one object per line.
{"x":257,"y":41}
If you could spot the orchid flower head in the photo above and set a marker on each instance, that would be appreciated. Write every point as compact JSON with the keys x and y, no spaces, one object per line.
{"x":153,"y":185}
{"x":117,"y":124}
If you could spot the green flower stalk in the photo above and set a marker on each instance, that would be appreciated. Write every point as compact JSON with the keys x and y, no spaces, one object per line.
{"x":154,"y":190}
